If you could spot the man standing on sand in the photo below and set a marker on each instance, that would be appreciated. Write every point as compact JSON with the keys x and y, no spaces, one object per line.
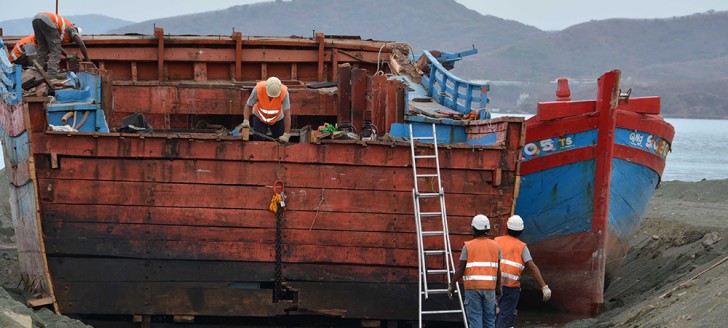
{"x":516,"y":257}
{"x":271,"y":108}
{"x":479,"y":270}
{"x":51,"y":31}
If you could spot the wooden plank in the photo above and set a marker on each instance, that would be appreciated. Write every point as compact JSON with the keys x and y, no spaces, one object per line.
{"x":358,"y":96}
{"x":170,"y":298}
{"x":229,"y":251}
{"x":195,"y":147}
{"x":257,"y":197}
{"x":65,"y":230}
{"x":344,"y":93}
{"x":261,"y":218}
{"x":92,"y":269}
{"x":249,"y":173}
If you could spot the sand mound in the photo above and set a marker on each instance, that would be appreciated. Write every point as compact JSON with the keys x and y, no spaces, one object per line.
{"x":676,"y":273}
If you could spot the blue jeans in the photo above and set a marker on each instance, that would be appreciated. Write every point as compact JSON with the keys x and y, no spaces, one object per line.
{"x":480,"y":307}
{"x":507,"y":306}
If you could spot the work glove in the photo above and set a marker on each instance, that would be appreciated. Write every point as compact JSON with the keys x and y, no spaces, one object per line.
{"x":546,"y":293}
{"x":284,"y":137}
{"x":246,"y":124}
{"x":451,"y":291}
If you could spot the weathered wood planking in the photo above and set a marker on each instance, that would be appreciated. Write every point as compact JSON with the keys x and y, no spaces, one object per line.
{"x":255,"y":197}
{"x":260,"y":218}
{"x":394,"y":301}
{"x":89,"y":269}
{"x":252,"y":173}
{"x":200,"y":147}
{"x":65,"y":230}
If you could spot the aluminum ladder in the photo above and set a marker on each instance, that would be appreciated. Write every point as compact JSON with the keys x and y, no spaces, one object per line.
{"x":448,"y":265}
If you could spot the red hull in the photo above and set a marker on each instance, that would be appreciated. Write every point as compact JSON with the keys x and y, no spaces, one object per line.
{"x":177,"y":223}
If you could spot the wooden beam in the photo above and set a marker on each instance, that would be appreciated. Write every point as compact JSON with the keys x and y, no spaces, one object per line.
{"x":159,"y":34}
{"x":320,"y":40}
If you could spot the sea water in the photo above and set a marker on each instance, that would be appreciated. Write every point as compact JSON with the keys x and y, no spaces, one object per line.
{"x":699,"y":150}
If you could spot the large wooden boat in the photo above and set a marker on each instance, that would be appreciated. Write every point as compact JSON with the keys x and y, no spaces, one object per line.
{"x":176,"y":222}
{"x":588,"y":171}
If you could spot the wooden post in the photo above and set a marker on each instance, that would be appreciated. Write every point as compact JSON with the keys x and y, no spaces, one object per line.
{"x":159,"y":34}
{"x":238,"y":55}
{"x":344,"y":86}
{"x":358,"y":96}
{"x":320,"y":39}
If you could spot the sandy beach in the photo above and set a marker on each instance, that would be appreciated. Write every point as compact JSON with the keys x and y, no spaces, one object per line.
{"x":675,"y":275}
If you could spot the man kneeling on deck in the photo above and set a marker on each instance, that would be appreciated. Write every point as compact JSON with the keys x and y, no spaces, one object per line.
{"x":516,"y":257}
{"x":271,"y":105}
{"x":479,"y":270}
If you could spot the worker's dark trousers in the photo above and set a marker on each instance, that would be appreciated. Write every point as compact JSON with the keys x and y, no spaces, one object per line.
{"x":23,"y":61}
{"x":276,"y":130}
{"x":49,"y":47}
{"x":507,"y":307}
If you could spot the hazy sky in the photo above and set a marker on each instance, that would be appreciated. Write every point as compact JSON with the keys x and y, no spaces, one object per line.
{"x":544,"y":14}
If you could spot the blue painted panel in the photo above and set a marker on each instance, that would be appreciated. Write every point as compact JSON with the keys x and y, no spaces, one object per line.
{"x":72,"y":95}
{"x":488,"y":139}
{"x":557,"y":201}
{"x":446,"y":134}
{"x":632,"y":186}
{"x":642,"y":140}
{"x":17,"y":149}
{"x":555,"y":145}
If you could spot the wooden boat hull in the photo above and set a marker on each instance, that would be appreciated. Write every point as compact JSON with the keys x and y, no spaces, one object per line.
{"x":177,"y":223}
{"x":578,"y":218}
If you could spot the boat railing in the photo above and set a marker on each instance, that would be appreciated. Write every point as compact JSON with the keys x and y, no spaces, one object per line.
{"x":453,"y":92}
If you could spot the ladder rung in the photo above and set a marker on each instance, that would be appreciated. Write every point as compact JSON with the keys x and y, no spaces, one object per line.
{"x":428,"y":194}
{"x":435,"y":252}
{"x":430,"y":214}
{"x":432,"y":233}
{"x":425,"y":156}
{"x":423,"y":138}
{"x":433,"y":175}
{"x":439,"y":271}
{"x":442,"y":312}
{"x":435,"y":291}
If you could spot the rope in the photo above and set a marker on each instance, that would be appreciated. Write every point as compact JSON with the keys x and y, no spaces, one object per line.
{"x":322,"y":201}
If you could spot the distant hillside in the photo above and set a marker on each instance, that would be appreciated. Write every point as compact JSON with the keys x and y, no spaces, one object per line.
{"x":689,"y":47}
{"x":443,"y":24}
{"x":91,"y":24}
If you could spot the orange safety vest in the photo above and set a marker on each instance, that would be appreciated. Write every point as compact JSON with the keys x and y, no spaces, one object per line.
{"x":512,"y":262}
{"x":18,"y":50}
{"x":62,"y":24}
{"x":481,"y":271}
{"x":268,"y":110}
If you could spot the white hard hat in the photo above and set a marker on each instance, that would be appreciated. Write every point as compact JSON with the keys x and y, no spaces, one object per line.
{"x":78,"y":28}
{"x":515,"y":223}
{"x":273,"y":87}
{"x":481,"y":222}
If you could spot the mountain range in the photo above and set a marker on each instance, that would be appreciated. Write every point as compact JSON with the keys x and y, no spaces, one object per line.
{"x":680,"y":59}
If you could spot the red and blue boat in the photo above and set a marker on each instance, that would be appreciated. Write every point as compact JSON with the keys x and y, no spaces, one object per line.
{"x":588,"y":171}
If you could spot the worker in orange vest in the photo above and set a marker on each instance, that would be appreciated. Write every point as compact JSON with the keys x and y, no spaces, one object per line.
{"x":480,"y":273}
{"x":516,"y":257}
{"x":24,"y":51}
{"x":51,"y":31}
{"x":271,"y":109}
